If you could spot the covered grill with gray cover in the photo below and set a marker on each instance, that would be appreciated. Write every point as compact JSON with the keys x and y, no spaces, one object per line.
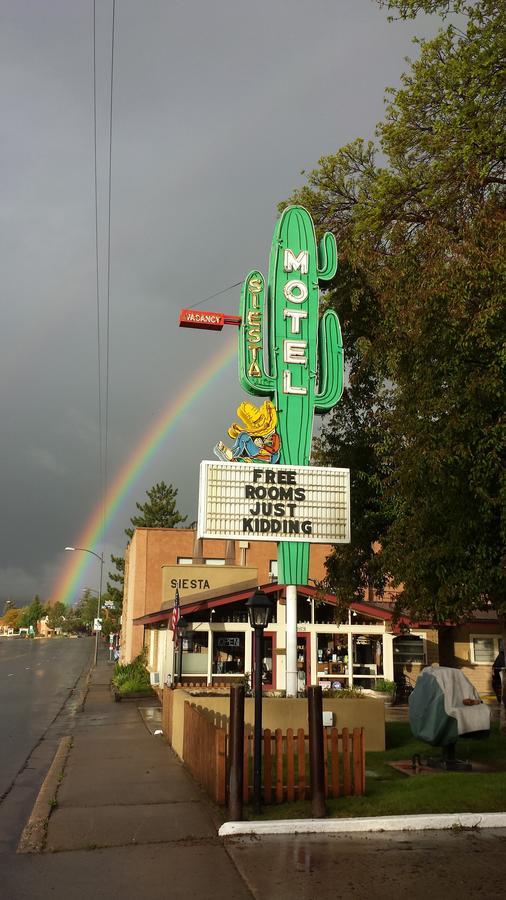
{"x":437,"y":712}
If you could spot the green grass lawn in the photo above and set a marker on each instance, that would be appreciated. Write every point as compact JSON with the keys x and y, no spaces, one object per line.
{"x":389,"y":792}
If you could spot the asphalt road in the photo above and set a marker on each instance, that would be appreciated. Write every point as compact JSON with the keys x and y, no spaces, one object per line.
{"x":36,"y":678}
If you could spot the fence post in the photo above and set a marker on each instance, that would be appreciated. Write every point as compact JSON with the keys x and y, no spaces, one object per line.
{"x":236,"y":753}
{"x":316,"y":760}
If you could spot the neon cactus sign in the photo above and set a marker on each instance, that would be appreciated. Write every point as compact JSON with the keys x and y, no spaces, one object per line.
{"x":304,"y":352}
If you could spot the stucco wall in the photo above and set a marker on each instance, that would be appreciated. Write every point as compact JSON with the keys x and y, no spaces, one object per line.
{"x":480,"y":674}
{"x":282,"y":712}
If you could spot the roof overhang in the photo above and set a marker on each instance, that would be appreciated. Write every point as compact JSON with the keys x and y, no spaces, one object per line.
{"x":210,"y":601}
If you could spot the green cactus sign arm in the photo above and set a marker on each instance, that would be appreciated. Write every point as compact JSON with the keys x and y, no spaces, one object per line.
{"x":330,"y":372}
{"x":327,"y":257}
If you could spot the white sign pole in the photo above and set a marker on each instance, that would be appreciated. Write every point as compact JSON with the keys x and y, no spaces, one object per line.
{"x":291,"y":640}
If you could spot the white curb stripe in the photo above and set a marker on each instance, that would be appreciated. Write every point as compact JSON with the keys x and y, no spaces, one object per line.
{"x":371,"y":824}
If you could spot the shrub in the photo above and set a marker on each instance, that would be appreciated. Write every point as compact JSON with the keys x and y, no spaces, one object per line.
{"x":348,"y":693}
{"x":384,"y":686}
{"x":132,"y":677}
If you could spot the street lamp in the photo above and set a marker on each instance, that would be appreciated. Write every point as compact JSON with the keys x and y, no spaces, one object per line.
{"x":182,"y":625}
{"x":259,"y":608}
{"x":101,"y":558}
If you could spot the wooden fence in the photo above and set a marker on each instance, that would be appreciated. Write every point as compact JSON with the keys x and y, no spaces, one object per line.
{"x":205,"y":752}
{"x":167,"y":706}
{"x":285,"y":766}
{"x":285,"y":758}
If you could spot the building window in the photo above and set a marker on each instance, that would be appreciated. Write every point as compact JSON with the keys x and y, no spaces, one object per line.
{"x":228,"y":653}
{"x":184,"y":560}
{"x":332,"y":650}
{"x":273,"y":570}
{"x":368,"y":658}
{"x":215,"y":562}
{"x":232,"y":612}
{"x":304,"y":610}
{"x":195,"y":652}
{"x":409,"y":649}
{"x":484,"y":649}
{"x":325,"y":613}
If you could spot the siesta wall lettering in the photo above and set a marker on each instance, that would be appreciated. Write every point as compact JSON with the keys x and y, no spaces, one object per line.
{"x":187,"y":584}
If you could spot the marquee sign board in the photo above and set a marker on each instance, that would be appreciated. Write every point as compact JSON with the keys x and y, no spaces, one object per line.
{"x":300,"y":504}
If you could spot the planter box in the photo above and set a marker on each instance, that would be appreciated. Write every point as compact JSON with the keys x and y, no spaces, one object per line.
{"x":282,"y":712}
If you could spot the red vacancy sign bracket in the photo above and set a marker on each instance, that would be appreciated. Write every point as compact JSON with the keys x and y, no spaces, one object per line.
{"x":199,"y":318}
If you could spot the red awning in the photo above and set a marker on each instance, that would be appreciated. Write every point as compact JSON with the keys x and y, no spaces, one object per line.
{"x":362,"y":607}
{"x":164,"y":615}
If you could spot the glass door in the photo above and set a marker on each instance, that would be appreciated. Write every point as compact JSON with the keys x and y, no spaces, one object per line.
{"x":268,"y":661}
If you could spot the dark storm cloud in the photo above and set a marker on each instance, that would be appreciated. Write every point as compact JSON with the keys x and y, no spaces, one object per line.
{"x":217,"y":108}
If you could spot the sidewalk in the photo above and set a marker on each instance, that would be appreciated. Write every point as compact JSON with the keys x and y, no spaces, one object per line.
{"x":125,"y":795}
{"x":123,"y":785}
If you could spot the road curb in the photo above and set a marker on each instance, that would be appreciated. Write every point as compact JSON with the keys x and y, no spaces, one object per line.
{"x":85,"y":688}
{"x":34,"y":833}
{"x":372,"y":824}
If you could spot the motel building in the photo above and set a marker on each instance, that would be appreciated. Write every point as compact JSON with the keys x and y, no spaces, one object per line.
{"x":215,"y":578}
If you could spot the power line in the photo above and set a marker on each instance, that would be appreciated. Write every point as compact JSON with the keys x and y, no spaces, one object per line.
{"x":106,"y":439}
{"x":97,"y":265}
{"x":103,"y":389}
{"x":217,"y":294}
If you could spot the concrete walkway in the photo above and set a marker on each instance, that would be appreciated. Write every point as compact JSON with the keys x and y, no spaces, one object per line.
{"x":125,"y":795}
{"x":123,"y":785}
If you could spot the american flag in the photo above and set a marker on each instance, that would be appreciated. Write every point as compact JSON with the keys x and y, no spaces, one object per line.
{"x":175,"y":616}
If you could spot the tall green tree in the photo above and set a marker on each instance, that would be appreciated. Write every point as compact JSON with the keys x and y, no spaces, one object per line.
{"x":73,"y":621}
{"x":115,"y":590}
{"x":32,"y":614}
{"x":159,"y":511}
{"x":420,"y":294}
{"x":11,"y":616}
{"x":56,"y":615}
{"x":87,"y":607}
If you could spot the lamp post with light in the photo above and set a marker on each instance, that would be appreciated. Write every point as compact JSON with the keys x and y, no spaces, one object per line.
{"x":259,"y":608}
{"x":101,"y":558}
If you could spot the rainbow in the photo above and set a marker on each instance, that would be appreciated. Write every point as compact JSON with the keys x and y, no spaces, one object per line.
{"x":94,"y":531}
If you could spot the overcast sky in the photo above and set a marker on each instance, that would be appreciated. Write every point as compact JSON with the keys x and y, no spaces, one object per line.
{"x":218,"y":106}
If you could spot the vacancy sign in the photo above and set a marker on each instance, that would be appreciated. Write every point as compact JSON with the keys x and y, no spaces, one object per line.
{"x":241,"y":501}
